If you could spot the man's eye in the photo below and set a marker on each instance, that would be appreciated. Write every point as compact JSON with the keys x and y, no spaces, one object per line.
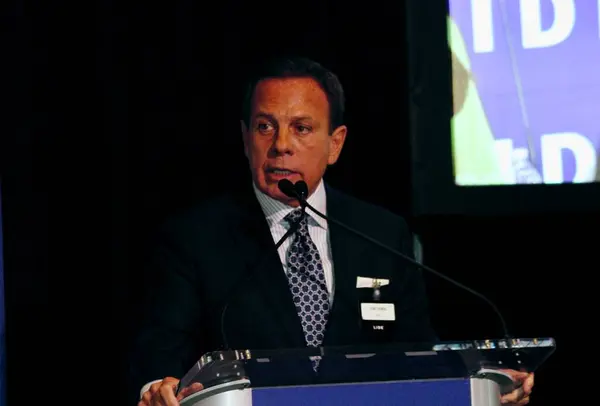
{"x":302,"y":129}
{"x":263,"y":127}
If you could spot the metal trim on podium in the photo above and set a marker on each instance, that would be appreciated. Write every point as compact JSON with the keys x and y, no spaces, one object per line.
{"x":472,"y":369}
{"x":227,"y":394}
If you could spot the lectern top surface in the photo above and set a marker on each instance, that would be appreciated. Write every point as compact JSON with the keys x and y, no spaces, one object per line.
{"x":375,"y":363}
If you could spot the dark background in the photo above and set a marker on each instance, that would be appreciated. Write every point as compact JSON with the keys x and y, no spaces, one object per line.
{"x":118,"y":115}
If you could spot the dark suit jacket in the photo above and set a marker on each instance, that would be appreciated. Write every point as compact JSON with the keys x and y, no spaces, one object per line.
{"x":223,"y":252}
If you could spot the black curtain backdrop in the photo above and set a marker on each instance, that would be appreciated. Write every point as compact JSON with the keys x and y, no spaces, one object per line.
{"x":121,"y":114}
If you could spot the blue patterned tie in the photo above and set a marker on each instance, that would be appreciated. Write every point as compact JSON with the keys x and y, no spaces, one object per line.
{"x":306,"y":279}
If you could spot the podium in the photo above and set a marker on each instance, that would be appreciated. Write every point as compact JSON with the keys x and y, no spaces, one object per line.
{"x":447,"y":373}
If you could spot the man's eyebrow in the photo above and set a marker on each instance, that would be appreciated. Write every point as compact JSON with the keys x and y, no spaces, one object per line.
{"x":300,"y":118}
{"x":265,"y":115}
{"x":271,"y":117}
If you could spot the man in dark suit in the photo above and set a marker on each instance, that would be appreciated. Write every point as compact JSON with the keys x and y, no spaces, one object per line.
{"x":222,"y":254}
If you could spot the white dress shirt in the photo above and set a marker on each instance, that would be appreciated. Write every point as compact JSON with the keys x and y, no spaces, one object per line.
{"x":275,"y":212}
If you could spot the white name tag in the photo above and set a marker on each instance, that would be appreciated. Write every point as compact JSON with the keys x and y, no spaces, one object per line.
{"x":362,"y":282}
{"x":378,"y":311}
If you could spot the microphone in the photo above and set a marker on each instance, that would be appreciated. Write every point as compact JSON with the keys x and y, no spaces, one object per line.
{"x":289,"y":189}
{"x":293,"y":227}
{"x":302,"y":190}
{"x":299,"y":191}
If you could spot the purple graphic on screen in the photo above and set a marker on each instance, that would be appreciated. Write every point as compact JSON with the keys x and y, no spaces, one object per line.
{"x":536,"y":64}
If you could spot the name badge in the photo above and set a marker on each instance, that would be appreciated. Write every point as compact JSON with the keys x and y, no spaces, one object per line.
{"x":378,"y":311}
{"x":362,"y":282}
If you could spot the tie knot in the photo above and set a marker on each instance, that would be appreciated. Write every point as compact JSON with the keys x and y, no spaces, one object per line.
{"x":294,"y":216}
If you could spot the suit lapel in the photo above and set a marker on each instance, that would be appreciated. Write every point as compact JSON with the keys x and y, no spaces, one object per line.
{"x":255,"y":244}
{"x":343,"y":326}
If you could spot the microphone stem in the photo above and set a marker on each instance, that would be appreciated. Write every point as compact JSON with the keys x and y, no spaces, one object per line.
{"x":413,"y":262}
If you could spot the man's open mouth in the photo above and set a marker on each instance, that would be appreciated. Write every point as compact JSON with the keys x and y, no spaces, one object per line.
{"x":280,"y":171}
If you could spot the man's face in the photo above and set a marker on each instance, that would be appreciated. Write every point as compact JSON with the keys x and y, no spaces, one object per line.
{"x":288,"y":135}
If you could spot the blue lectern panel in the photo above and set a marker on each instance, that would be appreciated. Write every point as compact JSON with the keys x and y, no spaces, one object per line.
{"x":451,"y":392}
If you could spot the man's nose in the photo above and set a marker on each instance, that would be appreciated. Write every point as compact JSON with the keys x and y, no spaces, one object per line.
{"x":282,"y":143}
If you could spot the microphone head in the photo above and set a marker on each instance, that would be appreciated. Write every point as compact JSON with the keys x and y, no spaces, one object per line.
{"x":287,"y":187}
{"x":301,"y":188}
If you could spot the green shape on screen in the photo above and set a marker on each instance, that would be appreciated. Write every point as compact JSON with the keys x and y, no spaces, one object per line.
{"x":475,"y":159}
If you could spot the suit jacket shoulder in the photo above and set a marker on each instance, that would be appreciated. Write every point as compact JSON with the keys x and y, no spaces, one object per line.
{"x":373,"y":220}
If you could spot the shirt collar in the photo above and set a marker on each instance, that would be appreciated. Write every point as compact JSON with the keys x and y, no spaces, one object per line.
{"x":275,"y":211}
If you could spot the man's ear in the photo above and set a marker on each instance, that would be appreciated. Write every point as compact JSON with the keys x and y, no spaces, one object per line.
{"x":336,"y":143}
